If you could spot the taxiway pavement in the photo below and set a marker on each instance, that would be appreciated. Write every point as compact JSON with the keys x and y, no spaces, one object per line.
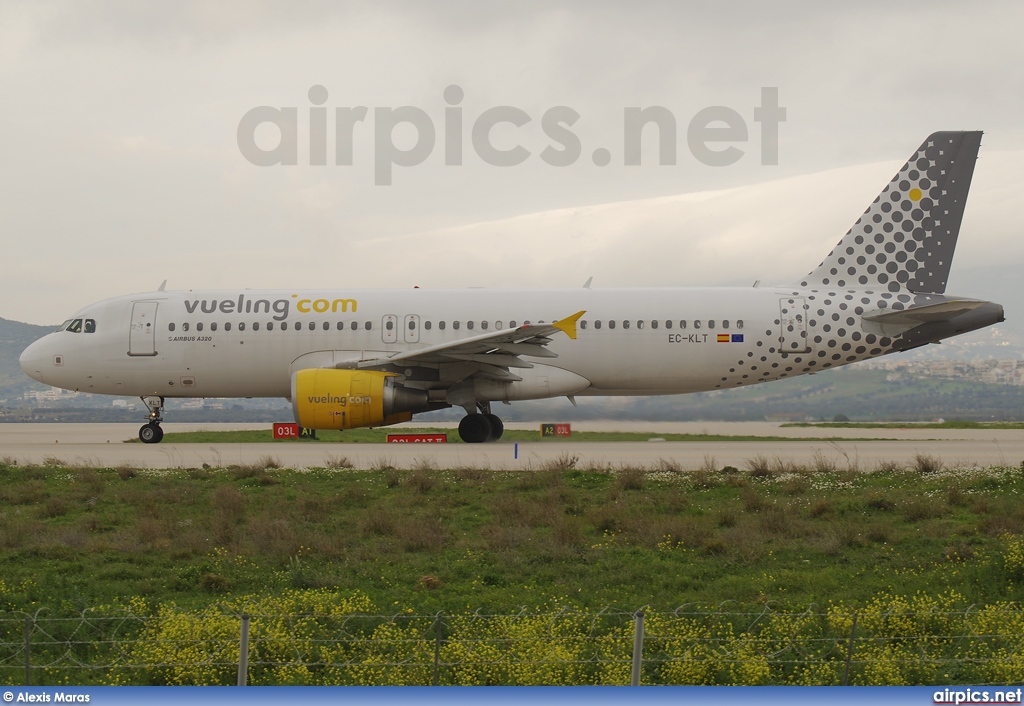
{"x":103,"y":445}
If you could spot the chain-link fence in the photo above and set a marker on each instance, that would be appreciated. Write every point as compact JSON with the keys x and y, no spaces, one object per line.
{"x":217,"y":646}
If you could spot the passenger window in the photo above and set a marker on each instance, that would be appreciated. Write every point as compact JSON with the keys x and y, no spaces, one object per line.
{"x":639,"y":324}
{"x":256,"y":326}
{"x":682,"y":324}
{"x":327,"y":326}
{"x":654,"y":323}
{"x":368,"y":326}
{"x":227,"y":326}
{"x":184,"y":327}
{"x":483,"y":325}
{"x":355,"y":325}
{"x":711,"y":324}
{"x":427,"y":325}
{"x":170,"y":327}
{"x":298,"y":326}
{"x":199,"y":326}
{"x":668,"y":324}
{"x":270,"y":326}
{"x":597,"y":324}
{"x":583,"y":325}
{"x":696,"y":324}
{"x":611,"y":324}
{"x":625,"y":324}
{"x":341,"y":326}
{"x":498,"y":325}
{"x":312,"y":326}
{"x":213,"y":326}
{"x":739,"y":323}
{"x":455,"y":325}
{"x":90,"y":325}
{"x":390,"y":325}
{"x":441,"y":325}
{"x":470,"y":325}
{"x":241,"y":326}
{"x":412,"y":325}
{"x":725,"y":323}
{"x":511,"y":324}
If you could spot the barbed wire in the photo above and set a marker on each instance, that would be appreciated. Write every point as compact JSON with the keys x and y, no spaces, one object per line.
{"x":567,"y":646}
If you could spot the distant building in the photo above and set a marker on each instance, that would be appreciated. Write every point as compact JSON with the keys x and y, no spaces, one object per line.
{"x":52,"y":394}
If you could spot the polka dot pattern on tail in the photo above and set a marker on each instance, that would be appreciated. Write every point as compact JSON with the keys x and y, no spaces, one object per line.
{"x":905,"y":239}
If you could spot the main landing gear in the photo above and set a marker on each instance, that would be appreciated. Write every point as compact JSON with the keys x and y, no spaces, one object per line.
{"x":478,"y":427}
{"x":151,"y":433}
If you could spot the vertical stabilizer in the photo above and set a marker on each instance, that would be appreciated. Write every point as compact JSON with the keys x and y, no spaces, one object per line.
{"x":906,"y":237}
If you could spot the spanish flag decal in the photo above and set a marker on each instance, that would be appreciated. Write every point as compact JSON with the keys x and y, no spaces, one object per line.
{"x":723,"y":338}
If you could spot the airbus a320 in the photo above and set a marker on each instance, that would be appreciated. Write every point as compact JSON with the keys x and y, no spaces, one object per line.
{"x":352,"y":358}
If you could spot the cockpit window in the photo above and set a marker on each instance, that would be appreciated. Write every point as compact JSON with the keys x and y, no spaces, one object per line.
{"x":90,"y":325}
{"x":75,"y":326}
{"x":64,"y":325}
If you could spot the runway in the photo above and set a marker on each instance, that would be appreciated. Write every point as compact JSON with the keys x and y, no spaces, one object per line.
{"x":103,"y":445}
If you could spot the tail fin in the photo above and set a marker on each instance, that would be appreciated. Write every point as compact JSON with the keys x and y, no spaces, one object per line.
{"x":906,"y":237}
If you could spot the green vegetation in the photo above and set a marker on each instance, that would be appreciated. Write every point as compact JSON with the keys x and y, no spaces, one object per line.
{"x":308,"y":636}
{"x":766,"y":565}
{"x":430,"y":539}
{"x":379,"y":436}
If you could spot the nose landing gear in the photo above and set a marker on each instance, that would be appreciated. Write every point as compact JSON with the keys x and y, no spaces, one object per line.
{"x":151,"y":433}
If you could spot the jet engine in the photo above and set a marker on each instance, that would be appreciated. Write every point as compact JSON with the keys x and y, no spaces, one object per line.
{"x":325,"y":398}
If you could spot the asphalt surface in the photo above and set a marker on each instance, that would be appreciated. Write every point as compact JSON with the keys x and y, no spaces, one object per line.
{"x":103,"y":445}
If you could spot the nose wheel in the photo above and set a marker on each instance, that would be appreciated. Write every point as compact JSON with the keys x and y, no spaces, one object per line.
{"x":151,"y":433}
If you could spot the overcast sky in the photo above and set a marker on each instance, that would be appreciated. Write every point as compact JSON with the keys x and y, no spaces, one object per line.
{"x":121,"y":164}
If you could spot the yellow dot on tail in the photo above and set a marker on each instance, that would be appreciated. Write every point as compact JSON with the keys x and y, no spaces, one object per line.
{"x":915,"y":194}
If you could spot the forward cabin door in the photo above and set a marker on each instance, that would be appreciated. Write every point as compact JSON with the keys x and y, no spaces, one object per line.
{"x":793,"y":320}
{"x":142,"y":335}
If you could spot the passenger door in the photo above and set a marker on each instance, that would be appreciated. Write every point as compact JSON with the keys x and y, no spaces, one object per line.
{"x":142,"y":335}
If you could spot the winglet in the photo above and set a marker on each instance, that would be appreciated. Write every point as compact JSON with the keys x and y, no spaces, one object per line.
{"x":568,"y":325}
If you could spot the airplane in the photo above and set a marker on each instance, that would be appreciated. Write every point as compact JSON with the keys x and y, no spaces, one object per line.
{"x":368,"y":358}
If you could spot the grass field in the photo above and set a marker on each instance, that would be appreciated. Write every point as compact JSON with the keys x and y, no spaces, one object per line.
{"x":379,"y":436}
{"x":428,"y":539}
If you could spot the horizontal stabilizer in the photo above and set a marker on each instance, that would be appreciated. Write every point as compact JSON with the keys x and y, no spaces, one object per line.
{"x":891,"y":322}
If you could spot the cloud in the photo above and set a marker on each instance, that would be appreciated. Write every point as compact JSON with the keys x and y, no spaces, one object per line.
{"x":773,"y":232}
{"x":121,"y":167}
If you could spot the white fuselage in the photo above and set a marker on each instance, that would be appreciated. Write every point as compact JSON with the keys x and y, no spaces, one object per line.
{"x":630,"y":341}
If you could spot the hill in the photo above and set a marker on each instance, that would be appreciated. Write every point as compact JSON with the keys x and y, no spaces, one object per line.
{"x":14,"y":338}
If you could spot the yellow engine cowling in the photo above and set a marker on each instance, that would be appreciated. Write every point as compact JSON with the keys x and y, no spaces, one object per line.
{"x":325,"y":398}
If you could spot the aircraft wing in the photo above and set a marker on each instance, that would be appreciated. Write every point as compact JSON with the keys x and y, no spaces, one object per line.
{"x":492,"y":354}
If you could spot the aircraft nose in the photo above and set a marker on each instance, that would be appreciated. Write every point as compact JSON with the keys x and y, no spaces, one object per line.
{"x":34,"y":360}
